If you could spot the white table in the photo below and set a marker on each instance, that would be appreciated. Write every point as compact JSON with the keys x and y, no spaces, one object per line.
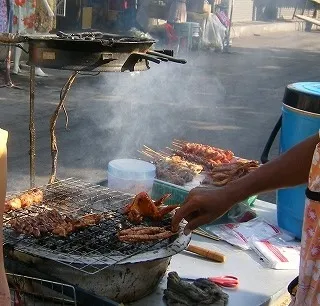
{"x":258,"y":285}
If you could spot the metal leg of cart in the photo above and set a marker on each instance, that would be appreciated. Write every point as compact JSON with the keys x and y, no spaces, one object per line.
{"x":7,"y":78}
{"x":227,"y":43}
{"x":32,"y":128}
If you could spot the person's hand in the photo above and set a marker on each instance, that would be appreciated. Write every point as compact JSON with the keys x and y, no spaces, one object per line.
{"x":202,"y":206}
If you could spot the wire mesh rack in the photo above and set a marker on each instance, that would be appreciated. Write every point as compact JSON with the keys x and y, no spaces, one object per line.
{"x":93,"y":248}
{"x":25,"y":290}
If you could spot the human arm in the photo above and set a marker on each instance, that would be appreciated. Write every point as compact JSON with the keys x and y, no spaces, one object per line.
{"x":4,"y":290}
{"x":291,"y":168}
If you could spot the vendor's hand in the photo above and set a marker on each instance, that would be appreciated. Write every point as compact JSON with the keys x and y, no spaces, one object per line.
{"x":202,"y":206}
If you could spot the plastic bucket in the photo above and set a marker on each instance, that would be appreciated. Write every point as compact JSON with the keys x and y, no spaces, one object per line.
{"x":131,"y":175}
{"x":300,"y":119}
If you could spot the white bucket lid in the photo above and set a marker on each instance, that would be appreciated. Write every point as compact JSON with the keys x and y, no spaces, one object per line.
{"x":131,"y":169}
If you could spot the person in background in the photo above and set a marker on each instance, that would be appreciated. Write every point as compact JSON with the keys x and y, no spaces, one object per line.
{"x":177,"y":12}
{"x":299,"y":165}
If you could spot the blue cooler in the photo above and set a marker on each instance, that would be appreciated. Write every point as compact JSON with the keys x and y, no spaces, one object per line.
{"x":300,"y":119}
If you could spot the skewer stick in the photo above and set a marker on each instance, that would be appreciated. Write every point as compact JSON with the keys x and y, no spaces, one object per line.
{"x":145,"y":153}
{"x":180,"y":141}
{"x":173,"y":150}
{"x":155,"y":152}
{"x":153,"y":156}
{"x":177,"y":145}
{"x":165,"y":154}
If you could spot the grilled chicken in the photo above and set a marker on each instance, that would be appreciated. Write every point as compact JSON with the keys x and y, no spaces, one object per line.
{"x":34,"y":196}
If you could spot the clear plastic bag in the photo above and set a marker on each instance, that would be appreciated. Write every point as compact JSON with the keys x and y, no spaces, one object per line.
{"x":241,"y":213}
{"x":214,"y":33}
{"x":278,"y":253}
{"x":240,"y":234}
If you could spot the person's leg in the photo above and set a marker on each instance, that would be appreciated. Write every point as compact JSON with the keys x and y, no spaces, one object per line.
{"x":16,"y":66}
{"x":40,"y":72}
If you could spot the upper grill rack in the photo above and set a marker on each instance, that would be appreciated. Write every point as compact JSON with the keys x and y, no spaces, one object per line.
{"x":93,"y":248}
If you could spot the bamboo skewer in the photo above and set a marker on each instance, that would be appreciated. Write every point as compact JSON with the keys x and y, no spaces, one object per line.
{"x":203,"y":233}
{"x":145,"y":153}
{"x":176,"y":145}
{"x":155,"y":152}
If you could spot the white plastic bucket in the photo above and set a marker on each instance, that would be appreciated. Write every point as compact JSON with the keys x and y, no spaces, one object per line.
{"x":131,"y":175}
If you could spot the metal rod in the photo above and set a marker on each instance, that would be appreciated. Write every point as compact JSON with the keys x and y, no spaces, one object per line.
{"x":226,"y":48}
{"x":32,"y":128}
{"x":53,"y":123}
{"x":7,"y":76}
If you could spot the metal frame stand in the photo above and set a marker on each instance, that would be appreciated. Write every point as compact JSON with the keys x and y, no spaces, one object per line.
{"x":7,"y":78}
{"x":32,"y":128}
{"x":227,"y":46}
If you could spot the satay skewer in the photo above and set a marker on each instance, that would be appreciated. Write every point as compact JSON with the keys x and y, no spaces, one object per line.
{"x":177,"y":145}
{"x":152,"y":154}
{"x":153,"y":151}
{"x":145,"y":153}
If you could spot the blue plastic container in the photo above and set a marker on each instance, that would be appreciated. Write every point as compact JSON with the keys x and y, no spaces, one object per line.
{"x":300,"y":119}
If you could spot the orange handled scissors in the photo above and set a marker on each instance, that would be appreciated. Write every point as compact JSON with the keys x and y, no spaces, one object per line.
{"x":227,"y":281}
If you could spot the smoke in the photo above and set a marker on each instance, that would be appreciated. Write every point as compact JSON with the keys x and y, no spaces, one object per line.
{"x":151,"y":107}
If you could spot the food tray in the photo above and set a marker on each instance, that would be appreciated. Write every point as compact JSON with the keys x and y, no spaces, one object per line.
{"x":179,"y":193}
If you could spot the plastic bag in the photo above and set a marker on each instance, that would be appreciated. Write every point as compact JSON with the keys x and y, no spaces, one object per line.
{"x":277,"y":253}
{"x":241,"y":213}
{"x":240,"y":234}
{"x":214,"y":33}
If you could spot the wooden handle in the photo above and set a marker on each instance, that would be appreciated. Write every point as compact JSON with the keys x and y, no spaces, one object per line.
{"x":215,"y":256}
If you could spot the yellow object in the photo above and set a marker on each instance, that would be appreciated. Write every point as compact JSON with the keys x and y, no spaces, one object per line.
{"x":87,"y":18}
{"x":206,"y":253}
{"x":3,"y":141}
{"x":4,"y":289}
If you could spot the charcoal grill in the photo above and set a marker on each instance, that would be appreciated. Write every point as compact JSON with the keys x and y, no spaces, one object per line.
{"x":95,"y":52}
{"x":94,"y":248}
{"x":94,"y":256}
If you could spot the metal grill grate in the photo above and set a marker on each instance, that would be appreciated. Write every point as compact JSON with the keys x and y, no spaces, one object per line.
{"x":96,"y":247}
{"x":26,"y":290}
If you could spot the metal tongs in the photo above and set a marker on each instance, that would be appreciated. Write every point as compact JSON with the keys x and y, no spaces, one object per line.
{"x":165,"y":56}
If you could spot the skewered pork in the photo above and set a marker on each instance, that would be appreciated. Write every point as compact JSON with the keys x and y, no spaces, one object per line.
{"x":34,"y":196}
{"x":172,"y":172}
{"x":143,"y":206}
{"x":224,"y":174}
{"x":207,"y":155}
{"x":51,"y":221}
{"x":144,"y":233}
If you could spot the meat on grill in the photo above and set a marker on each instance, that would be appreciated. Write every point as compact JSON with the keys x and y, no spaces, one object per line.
{"x":144,"y":233}
{"x":34,"y":196}
{"x":51,"y":221}
{"x":209,"y":152}
{"x":143,"y":206}
{"x":172,"y":173}
{"x":224,"y":174}
{"x":204,"y":155}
